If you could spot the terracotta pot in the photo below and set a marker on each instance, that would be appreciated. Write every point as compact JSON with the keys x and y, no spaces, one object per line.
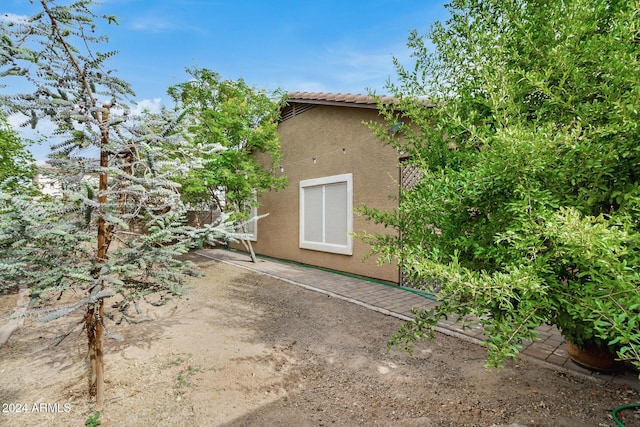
{"x":594,"y":358}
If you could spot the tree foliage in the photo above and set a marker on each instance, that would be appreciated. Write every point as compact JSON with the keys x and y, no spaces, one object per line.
{"x":241,"y":119}
{"x":17,"y":167}
{"x":524,"y":124}
{"x":119,"y":229}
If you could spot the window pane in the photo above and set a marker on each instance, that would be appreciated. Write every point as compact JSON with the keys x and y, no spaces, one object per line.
{"x":336,"y":213}
{"x":313,"y":214}
{"x":325,"y":214}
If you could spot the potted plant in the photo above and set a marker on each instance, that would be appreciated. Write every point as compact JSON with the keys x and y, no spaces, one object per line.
{"x":528,"y":210}
{"x":596,"y":301}
{"x":588,"y":350}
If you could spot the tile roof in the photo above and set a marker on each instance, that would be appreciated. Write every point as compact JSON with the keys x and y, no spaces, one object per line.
{"x":346,"y":99}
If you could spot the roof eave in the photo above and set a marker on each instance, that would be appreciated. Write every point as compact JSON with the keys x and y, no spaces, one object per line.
{"x":334,"y":103}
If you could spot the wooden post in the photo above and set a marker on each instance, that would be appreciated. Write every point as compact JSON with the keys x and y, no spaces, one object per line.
{"x":247,"y":245}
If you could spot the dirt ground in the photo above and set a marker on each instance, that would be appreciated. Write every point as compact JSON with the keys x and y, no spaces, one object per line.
{"x":241,"y":349}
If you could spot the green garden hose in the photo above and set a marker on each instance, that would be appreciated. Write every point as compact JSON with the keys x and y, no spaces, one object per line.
{"x":622,"y":408}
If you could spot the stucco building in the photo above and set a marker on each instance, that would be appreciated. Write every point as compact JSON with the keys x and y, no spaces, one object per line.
{"x":334,"y":165}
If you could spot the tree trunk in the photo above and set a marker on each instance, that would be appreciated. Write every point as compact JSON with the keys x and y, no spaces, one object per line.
{"x":95,"y":329}
{"x":99,"y":356}
{"x":95,"y":311}
{"x":95,"y":333}
{"x":89,"y":324}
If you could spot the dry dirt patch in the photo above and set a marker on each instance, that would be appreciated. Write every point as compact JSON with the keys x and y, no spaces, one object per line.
{"x":241,"y":349}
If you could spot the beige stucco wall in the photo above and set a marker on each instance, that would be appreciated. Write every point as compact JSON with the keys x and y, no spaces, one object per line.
{"x":323,"y":132}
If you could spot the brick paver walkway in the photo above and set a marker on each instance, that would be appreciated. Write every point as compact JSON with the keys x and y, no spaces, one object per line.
{"x":395,"y":301}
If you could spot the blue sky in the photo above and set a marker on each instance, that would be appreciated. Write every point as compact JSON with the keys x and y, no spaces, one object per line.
{"x":315,"y":46}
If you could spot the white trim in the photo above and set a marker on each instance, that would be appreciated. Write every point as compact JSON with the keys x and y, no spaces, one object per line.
{"x":324,"y":246}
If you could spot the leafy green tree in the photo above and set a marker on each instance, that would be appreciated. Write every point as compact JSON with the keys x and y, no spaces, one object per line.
{"x":119,"y":229}
{"x":523,"y":122}
{"x":244,"y":121}
{"x":17,"y":167}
